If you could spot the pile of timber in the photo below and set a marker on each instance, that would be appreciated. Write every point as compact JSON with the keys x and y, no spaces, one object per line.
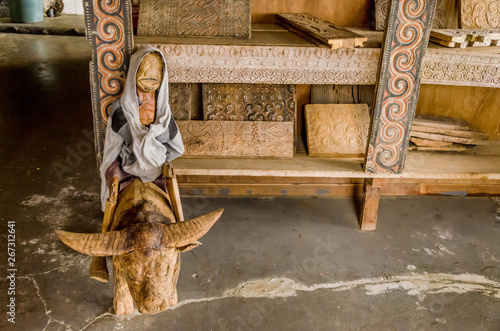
{"x":462,"y":38}
{"x":431,"y":133}
{"x":320,"y":32}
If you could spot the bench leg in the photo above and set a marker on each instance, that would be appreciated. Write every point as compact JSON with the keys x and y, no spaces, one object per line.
{"x":369,"y":208}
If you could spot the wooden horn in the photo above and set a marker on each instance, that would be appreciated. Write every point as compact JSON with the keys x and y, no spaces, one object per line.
{"x":181,"y":234}
{"x":96,"y":244}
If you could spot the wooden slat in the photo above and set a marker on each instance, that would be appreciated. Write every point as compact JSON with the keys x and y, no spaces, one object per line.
{"x":451,"y":139}
{"x":439,"y":122}
{"x":237,"y":138}
{"x":330,"y":34}
{"x":334,"y":130}
{"x":474,"y":134}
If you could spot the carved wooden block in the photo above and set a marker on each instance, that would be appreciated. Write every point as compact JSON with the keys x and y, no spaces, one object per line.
{"x":480,"y":14}
{"x":398,"y":87}
{"x":337,"y":129}
{"x":184,"y":101}
{"x":249,"y":102}
{"x":237,"y":139}
{"x":215,"y":18}
{"x":381,"y":10}
{"x":108,"y":28}
{"x":328,"y":33}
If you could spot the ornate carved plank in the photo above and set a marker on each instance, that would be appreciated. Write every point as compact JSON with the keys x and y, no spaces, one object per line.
{"x":185,"y":101}
{"x":480,"y":14}
{"x":249,"y":102}
{"x":381,"y":11}
{"x":407,"y":34}
{"x":108,"y":26}
{"x":325,"y":31}
{"x":215,"y":18}
{"x":313,"y":65}
{"x":237,"y":138}
{"x":337,"y":129}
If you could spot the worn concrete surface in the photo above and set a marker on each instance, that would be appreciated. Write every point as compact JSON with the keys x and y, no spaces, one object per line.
{"x":68,"y":25}
{"x":275,"y":264}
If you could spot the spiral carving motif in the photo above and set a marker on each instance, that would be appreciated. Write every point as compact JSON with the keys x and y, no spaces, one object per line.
{"x":406,"y":41}
{"x":109,"y":32}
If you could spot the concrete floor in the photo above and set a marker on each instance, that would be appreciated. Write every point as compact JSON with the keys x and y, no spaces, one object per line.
{"x":268,"y":264}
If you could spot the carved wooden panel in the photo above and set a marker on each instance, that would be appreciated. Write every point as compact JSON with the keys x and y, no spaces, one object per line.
{"x":381,"y":10}
{"x":407,"y":35}
{"x":237,"y":138}
{"x":249,"y":102}
{"x":480,"y":14}
{"x":184,"y":101}
{"x":313,"y":65}
{"x":109,"y":31}
{"x":335,"y":129}
{"x":326,"y":32}
{"x":216,"y":18}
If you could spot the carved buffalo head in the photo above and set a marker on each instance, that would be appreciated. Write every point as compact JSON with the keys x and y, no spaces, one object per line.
{"x":146,"y":257}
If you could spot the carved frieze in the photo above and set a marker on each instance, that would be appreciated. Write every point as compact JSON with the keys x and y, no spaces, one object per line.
{"x":237,"y":138}
{"x":480,"y":14}
{"x":337,"y":129}
{"x":215,"y":18}
{"x":249,"y":102}
{"x":313,"y":65}
{"x":407,"y":35}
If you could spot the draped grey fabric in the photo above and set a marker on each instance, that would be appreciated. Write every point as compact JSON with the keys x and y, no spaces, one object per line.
{"x":142,"y":150}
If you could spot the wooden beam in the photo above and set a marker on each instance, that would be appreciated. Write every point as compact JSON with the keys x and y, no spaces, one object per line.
{"x":406,"y":38}
{"x":369,"y":208}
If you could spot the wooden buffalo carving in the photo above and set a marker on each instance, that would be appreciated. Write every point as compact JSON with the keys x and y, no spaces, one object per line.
{"x":145,"y":242}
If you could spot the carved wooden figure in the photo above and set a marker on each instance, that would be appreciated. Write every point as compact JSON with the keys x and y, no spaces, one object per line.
{"x":145,"y":241}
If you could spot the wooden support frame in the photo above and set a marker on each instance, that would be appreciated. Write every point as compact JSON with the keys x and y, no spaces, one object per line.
{"x":108,"y":27}
{"x":406,"y":37}
{"x":370,"y":203}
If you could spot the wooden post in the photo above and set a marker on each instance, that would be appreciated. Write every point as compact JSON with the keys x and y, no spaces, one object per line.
{"x":407,"y":34}
{"x":108,"y":27}
{"x":369,"y":208}
{"x":173,"y":191}
{"x":98,"y":268}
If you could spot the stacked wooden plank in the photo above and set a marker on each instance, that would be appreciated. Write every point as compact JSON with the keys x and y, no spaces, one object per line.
{"x":462,"y":38}
{"x":243,"y":120}
{"x":430,"y":133}
{"x":320,"y":32}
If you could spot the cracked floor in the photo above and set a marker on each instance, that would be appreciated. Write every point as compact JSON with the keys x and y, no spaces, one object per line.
{"x":268,"y":264}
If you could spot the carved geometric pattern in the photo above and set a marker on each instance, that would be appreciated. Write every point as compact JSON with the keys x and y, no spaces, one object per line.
{"x":216,"y":18}
{"x":335,"y":129}
{"x":180,"y":100}
{"x":381,"y":10}
{"x":237,"y":139}
{"x":313,"y":65}
{"x":407,"y":35}
{"x":480,"y":14}
{"x":249,"y":102}
{"x":108,"y":27}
